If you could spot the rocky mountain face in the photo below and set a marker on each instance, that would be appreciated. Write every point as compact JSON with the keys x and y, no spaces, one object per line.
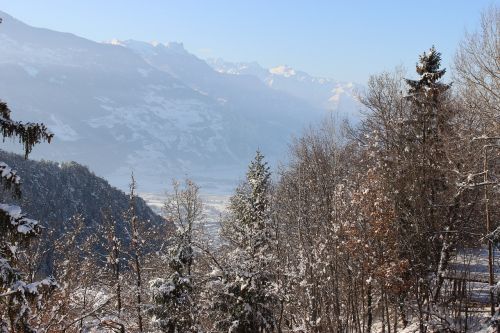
{"x":154,"y":109}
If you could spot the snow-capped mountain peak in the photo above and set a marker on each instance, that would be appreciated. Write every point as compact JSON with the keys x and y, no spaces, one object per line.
{"x":324,"y":93}
{"x":282,"y":70}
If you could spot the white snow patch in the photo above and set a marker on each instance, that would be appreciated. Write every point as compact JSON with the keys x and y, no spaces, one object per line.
{"x":337,"y":92}
{"x":282,"y":70}
{"x":117,"y":42}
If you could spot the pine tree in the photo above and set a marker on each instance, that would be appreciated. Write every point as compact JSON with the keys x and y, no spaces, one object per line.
{"x":175,"y":308}
{"x":15,"y":232}
{"x":247,"y":296}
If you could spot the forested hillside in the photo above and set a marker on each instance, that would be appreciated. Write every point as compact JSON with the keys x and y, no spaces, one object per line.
{"x":55,"y":192}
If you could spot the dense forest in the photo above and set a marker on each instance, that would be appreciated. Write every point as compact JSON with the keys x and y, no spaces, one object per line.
{"x":365,"y":228}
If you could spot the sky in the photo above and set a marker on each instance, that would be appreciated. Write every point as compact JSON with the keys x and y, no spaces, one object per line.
{"x":344,"y":40}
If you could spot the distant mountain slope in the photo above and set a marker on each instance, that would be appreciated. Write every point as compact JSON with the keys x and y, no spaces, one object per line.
{"x":324,"y":93}
{"x":244,"y":95}
{"x":53,"y":193}
{"x":152,"y":108}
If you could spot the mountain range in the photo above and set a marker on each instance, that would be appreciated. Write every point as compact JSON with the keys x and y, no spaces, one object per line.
{"x":156,"y":109}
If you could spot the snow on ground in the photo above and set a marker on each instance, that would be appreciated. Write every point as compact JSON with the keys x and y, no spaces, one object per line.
{"x":472,"y":264}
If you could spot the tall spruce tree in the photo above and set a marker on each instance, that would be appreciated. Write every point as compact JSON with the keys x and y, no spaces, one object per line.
{"x":428,"y":88}
{"x":424,"y":194}
{"x":15,"y":232}
{"x":427,"y":204}
{"x":409,"y":136}
{"x":247,"y":296}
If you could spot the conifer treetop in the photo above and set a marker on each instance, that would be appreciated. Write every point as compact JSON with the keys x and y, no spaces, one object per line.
{"x":429,"y":64}
{"x":258,"y":178}
{"x":430,"y":73}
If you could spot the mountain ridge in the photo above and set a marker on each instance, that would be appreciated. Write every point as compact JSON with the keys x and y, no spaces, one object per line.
{"x":157,"y":110}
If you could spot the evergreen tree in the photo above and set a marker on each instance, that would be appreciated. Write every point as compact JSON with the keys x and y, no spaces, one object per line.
{"x":15,"y":231}
{"x":247,"y":295}
{"x":424,"y":195}
{"x":428,"y":86}
{"x":172,"y":310}
{"x":428,"y":118}
{"x":175,"y":309}
{"x":410,"y":140}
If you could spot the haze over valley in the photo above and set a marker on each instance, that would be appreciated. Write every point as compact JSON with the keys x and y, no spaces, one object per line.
{"x":157,"y":110}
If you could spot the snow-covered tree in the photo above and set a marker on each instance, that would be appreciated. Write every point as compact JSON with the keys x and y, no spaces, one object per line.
{"x":246,"y":292}
{"x":113,"y":249}
{"x":412,"y":145}
{"x":323,"y":264}
{"x":426,"y":200}
{"x":172,"y":297}
{"x":477,"y":72}
{"x":136,"y":244}
{"x":407,"y":137}
{"x":175,"y":307}
{"x":15,"y":232}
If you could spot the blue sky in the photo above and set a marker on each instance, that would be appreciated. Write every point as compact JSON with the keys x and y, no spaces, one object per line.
{"x":345,"y":40}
